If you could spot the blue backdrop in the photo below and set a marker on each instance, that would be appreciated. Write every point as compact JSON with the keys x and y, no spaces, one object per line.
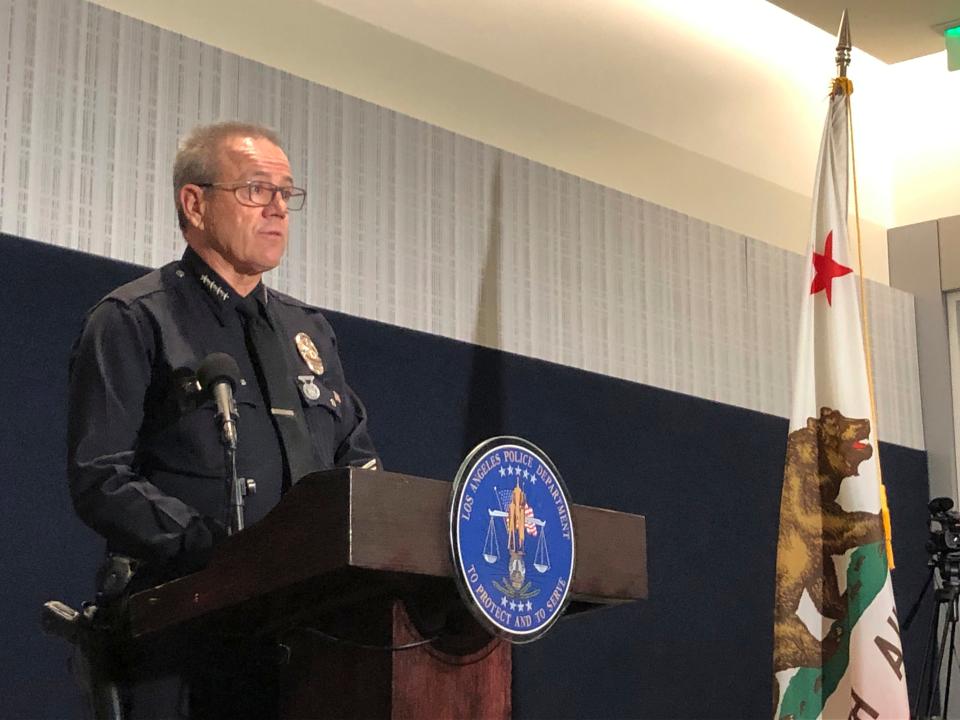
{"x":707,"y":477}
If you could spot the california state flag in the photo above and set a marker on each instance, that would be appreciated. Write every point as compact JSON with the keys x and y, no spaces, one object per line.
{"x":837,"y":651}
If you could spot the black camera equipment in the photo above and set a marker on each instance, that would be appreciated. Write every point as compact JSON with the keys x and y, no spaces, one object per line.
{"x":943,"y":546}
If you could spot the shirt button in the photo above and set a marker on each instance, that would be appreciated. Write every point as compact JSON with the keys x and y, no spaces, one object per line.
{"x":179,"y":273}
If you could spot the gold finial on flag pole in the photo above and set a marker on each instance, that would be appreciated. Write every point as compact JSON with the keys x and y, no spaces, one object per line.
{"x":841,"y":84}
{"x":843,"y":45}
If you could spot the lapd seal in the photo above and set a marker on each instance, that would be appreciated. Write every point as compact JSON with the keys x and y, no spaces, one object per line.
{"x":512,"y":538}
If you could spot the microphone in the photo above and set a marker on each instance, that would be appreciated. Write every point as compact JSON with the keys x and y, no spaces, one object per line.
{"x":219,"y":374}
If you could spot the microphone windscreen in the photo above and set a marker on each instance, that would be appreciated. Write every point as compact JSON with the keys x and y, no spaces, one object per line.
{"x":218,"y":367}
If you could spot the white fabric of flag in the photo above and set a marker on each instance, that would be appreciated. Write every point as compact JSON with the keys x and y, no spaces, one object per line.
{"x":837,"y":649}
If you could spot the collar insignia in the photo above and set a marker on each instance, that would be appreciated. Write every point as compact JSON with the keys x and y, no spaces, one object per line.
{"x":214,"y":289}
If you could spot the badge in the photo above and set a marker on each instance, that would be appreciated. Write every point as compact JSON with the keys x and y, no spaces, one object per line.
{"x":309,"y":353}
{"x":308,"y":387}
{"x":511,"y":535}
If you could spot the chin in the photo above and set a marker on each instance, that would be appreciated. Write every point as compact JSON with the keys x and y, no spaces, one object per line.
{"x":265,"y":265}
{"x":269,"y":260}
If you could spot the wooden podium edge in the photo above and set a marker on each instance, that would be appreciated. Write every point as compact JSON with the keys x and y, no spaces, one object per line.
{"x":336,"y":527}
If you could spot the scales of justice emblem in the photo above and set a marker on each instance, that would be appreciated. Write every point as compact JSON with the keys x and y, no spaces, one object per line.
{"x":509,"y":511}
{"x":519,"y":521}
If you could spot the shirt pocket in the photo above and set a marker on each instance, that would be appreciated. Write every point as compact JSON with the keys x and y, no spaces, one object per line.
{"x":193,"y":440}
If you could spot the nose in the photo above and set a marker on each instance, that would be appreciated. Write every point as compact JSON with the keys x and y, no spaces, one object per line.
{"x":277,"y":205}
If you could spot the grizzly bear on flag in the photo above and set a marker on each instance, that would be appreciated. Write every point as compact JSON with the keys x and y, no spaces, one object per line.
{"x":814,"y":528}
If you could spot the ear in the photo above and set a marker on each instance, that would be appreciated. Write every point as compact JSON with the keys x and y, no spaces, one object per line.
{"x":194,"y":205}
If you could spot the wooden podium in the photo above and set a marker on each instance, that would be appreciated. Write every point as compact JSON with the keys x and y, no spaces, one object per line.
{"x":364,"y":556}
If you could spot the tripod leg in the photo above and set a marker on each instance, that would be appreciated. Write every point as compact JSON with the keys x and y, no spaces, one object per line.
{"x":938,"y":666}
{"x":953,"y":636}
{"x":919,"y":601}
{"x":929,"y":662}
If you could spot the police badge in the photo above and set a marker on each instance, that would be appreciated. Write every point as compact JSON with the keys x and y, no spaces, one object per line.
{"x":512,"y":539}
{"x":308,"y":351}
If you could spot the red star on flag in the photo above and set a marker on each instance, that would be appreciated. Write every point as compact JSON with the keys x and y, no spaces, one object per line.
{"x":826,"y":269}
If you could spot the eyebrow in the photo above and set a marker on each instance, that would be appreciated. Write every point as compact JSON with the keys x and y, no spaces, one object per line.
{"x":265,"y":174}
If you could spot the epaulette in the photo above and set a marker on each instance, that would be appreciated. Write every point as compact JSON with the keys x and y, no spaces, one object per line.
{"x":140,"y":288}
{"x":292,"y":301}
{"x":313,"y":312}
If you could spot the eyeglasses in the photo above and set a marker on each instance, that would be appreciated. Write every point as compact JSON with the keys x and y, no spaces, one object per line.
{"x":256,"y":193}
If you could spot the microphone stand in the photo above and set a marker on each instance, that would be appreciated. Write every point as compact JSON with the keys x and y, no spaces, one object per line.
{"x":235,"y":490}
{"x":237,"y":487}
{"x":219,"y":375}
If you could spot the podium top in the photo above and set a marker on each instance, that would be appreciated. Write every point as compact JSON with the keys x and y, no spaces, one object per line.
{"x":343,"y":535}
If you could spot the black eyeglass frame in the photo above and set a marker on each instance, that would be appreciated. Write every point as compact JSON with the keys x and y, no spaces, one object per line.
{"x":288,"y":193}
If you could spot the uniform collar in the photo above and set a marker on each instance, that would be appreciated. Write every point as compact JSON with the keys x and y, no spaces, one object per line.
{"x":219,"y":294}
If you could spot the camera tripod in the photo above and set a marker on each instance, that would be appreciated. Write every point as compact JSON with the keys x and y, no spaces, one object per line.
{"x":946,"y":596}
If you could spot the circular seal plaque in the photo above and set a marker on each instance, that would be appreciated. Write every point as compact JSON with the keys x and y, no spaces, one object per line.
{"x":512,"y":538}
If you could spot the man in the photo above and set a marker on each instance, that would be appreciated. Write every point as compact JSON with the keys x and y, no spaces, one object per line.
{"x":145,"y":461}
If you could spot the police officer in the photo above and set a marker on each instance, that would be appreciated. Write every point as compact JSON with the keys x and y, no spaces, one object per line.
{"x":145,"y":461}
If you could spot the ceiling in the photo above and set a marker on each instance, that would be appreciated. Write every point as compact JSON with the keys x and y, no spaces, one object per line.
{"x":890,"y":30}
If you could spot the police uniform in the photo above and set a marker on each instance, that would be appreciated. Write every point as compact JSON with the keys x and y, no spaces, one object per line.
{"x":145,"y":461}
{"x":147,"y":468}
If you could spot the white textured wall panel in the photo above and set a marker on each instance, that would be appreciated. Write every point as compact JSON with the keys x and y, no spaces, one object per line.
{"x":408,"y":223}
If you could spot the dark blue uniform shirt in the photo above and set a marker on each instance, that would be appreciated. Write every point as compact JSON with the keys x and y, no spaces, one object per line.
{"x":145,"y":462}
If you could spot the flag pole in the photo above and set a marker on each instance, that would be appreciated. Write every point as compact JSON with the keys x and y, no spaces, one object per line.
{"x":843,"y":85}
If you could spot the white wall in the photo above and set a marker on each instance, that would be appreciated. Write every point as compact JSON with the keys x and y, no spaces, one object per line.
{"x":418,"y":226}
{"x":927,"y":161}
{"x":712,"y":109}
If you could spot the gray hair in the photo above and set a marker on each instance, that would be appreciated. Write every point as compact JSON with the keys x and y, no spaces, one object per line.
{"x":199,"y":155}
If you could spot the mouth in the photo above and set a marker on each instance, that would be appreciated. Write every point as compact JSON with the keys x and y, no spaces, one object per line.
{"x":860,"y":445}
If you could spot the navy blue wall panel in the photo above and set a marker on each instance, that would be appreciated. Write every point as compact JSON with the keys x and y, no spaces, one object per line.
{"x":707,"y":476}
